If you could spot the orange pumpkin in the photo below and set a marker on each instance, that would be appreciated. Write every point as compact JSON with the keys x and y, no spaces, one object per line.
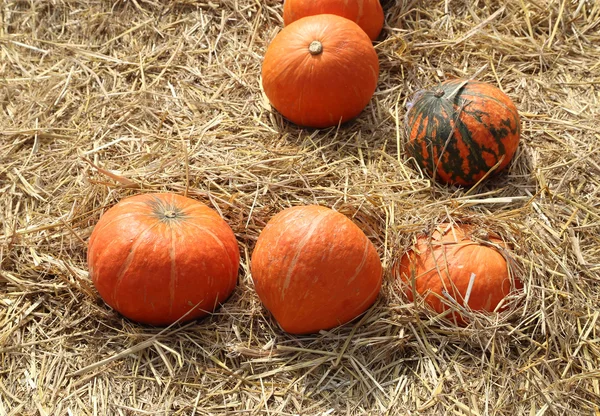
{"x":461,"y":130}
{"x":368,"y":14}
{"x":450,"y":267}
{"x":156,"y":257}
{"x":320,"y":71}
{"x":314,"y":269}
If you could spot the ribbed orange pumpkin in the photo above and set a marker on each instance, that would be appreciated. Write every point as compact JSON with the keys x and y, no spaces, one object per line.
{"x":320,"y":71}
{"x":155,"y":257}
{"x":462,"y":129}
{"x":368,"y":14}
{"x":443,"y":266}
{"x":314,"y":269}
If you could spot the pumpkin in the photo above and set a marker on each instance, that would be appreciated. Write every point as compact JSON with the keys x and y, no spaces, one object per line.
{"x":460,"y":130}
{"x":368,"y":14}
{"x":320,"y":71}
{"x":451,"y":267}
{"x":156,"y":257}
{"x":314,"y":269}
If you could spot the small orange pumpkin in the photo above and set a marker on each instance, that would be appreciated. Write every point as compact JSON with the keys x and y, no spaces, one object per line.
{"x":320,"y":71}
{"x":449,"y":266}
{"x":368,"y":14}
{"x":156,"y":257}
{"x":314,"y":269}
{"x":460,"y":130}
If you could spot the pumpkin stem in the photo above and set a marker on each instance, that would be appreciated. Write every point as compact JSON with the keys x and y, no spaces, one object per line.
{"x":439,"y":93}
{"x":170,"y":214}
{"x":315,"y":47}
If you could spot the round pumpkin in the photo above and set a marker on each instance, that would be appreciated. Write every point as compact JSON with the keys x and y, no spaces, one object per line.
{"x":450,"y":267}
{"x":156,"y":257}
{"x":320,"y":71}
{"x":368,"y":14}
{"x":314,"y":269}
{"x":460,"y":130}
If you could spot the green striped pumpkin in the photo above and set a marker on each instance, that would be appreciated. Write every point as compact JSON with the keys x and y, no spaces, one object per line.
{"x":460,"y":130}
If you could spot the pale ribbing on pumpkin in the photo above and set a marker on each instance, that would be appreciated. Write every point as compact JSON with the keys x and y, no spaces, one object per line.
{"x":450,"y":267}
{"x":461,"y":130}
{"x":157,"y":257}
{"x":314,"y":269}
{"x":320,"y":71}
{"x":367,"y":14}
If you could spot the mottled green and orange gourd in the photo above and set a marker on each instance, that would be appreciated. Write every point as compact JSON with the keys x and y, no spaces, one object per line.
{"x":462,"y":129}
{"x":157,"y":257}
{"x":314,"y":269}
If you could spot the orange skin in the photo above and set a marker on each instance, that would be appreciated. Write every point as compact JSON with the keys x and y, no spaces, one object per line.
{"x":315,"y":269}
{"x":445,"y":262}
{"x":322,"y":89}
{"x":153,"y":268}
{"x":368,"y":14}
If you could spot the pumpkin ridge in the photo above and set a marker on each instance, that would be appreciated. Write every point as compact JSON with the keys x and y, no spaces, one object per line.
{"x":93,"y":238}
{"x":424,"y":99}
{"x":361,"y":9}
{"x":220,"y":244}
{"x":305,"y":81}
{"x":288,"y":74}
{"x":423,"y":129}
{"x":369,"y":298}
{"x":204,"y":212}
{"x":446,"y":134}
{"x":207,"y":216}
{"x":420,"y":105}
{"x":137,"y":200}
{"x":427,"y":101}
{"x":510,"y":108}
{"x":497,"y":134}
{"x":474,"y":157}
{"x":305,"y":239}
{"x":117,"y":217}
{"x":362,"y":262}
{"x":173,"y":274}
{"x":435,"y":122}
{"x":513,"y":129}
{"x":282,"y":219}
{"x":128,"y":260}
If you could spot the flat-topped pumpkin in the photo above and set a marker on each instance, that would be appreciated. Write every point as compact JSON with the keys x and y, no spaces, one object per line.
{"x":156,"y":257}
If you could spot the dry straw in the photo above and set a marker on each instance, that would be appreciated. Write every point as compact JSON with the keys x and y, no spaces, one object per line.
{"x":104,"y":99}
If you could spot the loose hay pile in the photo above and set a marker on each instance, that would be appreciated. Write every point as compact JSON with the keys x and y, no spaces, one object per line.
{"x":105,"y":99}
